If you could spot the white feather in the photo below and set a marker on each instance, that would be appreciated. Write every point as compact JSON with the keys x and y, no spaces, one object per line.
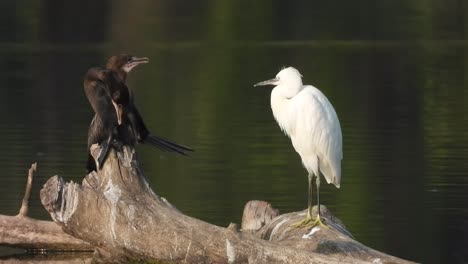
{"x":309,"y":119}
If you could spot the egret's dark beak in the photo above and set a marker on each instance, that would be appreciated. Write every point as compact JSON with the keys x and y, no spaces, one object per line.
{"x":273,"y":81}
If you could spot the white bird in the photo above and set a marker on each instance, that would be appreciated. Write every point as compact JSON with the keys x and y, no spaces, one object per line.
{"x":308,"y":118}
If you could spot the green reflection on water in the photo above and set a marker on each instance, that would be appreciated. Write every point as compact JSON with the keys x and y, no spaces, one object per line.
{"x":394,"y":71}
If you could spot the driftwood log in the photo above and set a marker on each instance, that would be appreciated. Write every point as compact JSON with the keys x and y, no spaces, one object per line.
{"x":117,"y":212}
{"x":20,"y":231}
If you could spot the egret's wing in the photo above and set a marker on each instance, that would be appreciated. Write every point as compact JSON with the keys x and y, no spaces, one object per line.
{"x":318,"y":132}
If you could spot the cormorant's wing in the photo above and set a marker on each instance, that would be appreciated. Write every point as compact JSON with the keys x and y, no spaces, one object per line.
{"x":118,"y":90}
{"x":99,"y":97}
{"x":139,"y":128}
{"x":96,"y":134}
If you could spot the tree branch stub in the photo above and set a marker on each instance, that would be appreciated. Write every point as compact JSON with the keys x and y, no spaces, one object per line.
{"x":23,"y":212}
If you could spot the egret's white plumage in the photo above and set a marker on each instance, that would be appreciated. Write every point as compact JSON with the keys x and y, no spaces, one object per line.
{"x":308,"y":118}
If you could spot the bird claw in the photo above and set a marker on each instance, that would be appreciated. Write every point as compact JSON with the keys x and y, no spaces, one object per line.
{"x":117,"y":145}
{"x":102,"y":155}
{"x":308,"y":223}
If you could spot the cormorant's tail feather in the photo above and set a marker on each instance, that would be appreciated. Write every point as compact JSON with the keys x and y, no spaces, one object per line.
{"x":168,"y":141}
{"x":167,"y":145}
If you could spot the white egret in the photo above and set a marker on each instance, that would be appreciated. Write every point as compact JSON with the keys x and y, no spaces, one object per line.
{"x":308,"y":118}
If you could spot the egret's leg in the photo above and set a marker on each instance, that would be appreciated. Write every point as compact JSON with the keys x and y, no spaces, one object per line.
{"x":309,"y":194}
{"x":318,"y":220}
{"x":317,"y":181}
{"x":308,"y":218}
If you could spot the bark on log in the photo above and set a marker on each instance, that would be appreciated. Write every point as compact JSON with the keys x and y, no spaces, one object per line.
{"x":32,"y":234}
{"x":334,"y":240}
{"x":256,"y":215}
{"x":116,"y":211}
{"x":54,"y":258}
{"x":20,"y":231}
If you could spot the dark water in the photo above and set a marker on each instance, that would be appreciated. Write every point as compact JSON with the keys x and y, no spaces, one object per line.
{"x":395,"y":72}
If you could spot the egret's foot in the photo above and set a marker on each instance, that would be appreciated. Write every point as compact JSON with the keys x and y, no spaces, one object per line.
{"x":308,"y":223}
{"x":302,"y":223}
{"x":318,"y":222}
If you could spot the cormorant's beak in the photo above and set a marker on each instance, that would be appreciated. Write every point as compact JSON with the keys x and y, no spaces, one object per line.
{"x":134,"y":61}
{"x":273,"y":81}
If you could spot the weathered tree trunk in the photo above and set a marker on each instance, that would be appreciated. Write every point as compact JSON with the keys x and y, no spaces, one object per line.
{"x":116,"y":211}
{"x":20,"y":231}
{"x":32,"y":234}
{"x":331,"y":240}
{"x":53,"y":258}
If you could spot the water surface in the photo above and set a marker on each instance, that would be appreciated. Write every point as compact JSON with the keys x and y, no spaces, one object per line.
{"x":394,"y":71}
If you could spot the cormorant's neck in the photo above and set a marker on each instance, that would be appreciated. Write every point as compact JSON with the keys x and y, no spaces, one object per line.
{"x":122,"y":74}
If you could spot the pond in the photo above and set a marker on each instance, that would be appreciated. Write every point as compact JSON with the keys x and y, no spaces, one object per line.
{"x":395,"y":71}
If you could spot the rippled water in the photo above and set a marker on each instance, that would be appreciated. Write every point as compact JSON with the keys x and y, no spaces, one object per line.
{"x":400,"y":95}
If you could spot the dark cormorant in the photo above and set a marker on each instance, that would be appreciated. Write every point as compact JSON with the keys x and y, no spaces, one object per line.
{"x":117,"y":120}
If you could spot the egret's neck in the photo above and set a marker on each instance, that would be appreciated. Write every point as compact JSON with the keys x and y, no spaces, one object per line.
{"x":281,"y":105}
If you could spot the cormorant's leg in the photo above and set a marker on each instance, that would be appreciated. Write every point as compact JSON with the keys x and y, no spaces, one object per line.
{"x":112,"y":141}
{"x":116,"y":142}
{"x":105,"y":146}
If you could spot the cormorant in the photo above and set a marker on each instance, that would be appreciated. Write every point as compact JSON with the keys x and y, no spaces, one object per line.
{"x":117,"y":121}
